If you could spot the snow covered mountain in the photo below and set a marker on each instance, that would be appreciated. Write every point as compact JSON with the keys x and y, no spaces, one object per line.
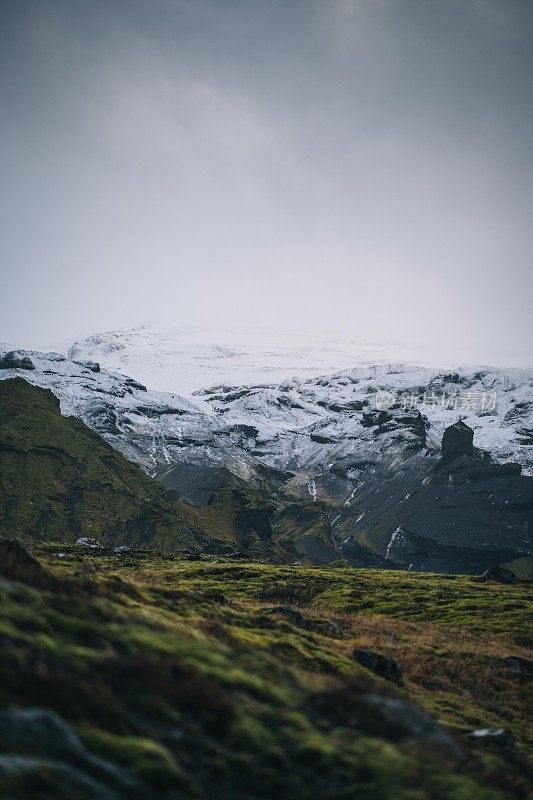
{"x":183,"y":360}
{"x":338,"y":438}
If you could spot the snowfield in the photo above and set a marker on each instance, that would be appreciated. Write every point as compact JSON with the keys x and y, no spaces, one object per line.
{"x":183,"y":360}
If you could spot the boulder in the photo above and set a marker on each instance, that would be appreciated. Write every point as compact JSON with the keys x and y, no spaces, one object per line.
{"x":326,"y":627}
{"x":290,"y":614}
{"x":384,"y":666}
{"x":399,"y":720}
{"x":500,"y":738}
{"x":86,"y":541}
{"x":13,"y":360}
{"x":522,"y":666}
{"x":16,"y":562}
{"x":498,"y":574}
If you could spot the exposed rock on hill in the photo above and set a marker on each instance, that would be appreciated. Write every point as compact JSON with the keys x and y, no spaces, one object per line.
{"x":13,"y":360}
{"x":384,"y":666}
{"x":457,"y":440}
{"x":463,"y":513}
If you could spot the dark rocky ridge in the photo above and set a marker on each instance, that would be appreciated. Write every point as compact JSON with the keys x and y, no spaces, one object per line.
{"x":463,"y":513}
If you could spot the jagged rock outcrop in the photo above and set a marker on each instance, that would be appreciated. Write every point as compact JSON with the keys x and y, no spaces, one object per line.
{"x":457,"y":439}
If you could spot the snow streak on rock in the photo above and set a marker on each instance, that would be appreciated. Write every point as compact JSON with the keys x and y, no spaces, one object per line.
{"x":396,"y":538}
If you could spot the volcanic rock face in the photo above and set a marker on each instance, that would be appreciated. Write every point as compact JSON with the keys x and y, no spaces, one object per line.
{"x":463,"y":513}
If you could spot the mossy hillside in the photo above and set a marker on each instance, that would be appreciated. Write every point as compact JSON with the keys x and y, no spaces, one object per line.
{"x":453,"y":632}
{"x":522,"y":567}
{"x":266,"y":528}
{"x":173,"y":670}
{"x":449,"y":600}
{"x":59,"y":481}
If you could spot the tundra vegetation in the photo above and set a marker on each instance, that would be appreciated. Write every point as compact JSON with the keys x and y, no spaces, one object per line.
{"x":219,"y":676}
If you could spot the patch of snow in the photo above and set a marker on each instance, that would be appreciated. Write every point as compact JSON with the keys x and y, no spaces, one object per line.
{"x":349,"y":500}
{"x":397,"y":536}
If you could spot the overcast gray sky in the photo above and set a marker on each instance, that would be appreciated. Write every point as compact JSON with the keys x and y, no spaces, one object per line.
{"x":356,"y":166}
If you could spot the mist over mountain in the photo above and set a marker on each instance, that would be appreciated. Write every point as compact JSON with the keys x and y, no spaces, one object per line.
{"x":350,"y":167}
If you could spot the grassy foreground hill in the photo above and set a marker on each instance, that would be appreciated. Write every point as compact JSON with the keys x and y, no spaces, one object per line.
{"x":141,"y":676}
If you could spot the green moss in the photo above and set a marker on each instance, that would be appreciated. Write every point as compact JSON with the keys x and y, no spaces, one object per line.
{"x":61,"y":481}
{"x":164,"y":678}
{"x":144,"y":758}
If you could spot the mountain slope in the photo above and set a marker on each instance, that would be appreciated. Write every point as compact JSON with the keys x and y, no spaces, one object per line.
{"x":263,"y":526}
{"x":61,"y":481}
{"x":463,"y":516}
{"x":313,"y":427}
